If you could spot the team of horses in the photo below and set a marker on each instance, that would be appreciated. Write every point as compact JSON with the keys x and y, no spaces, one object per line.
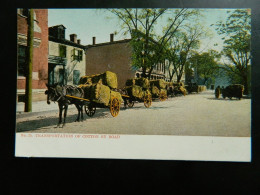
{"x":60,"y":93}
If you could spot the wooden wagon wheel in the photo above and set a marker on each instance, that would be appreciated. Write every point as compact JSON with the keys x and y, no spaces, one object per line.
{"x":147,"y":100}
{"x":162,"y":96}
{"x":217,"y":94}
{"x":130,"y":103}
{"x":90,"y":109}
{"x":114,"y":106}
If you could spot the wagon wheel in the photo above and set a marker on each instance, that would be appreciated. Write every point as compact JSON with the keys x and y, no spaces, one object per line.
{"x":147,"y":100}
{"x":114,"y":106}
{"x":163,"y":96}
{"x":217,"y":94}
{"x":130,"y":103}
{"x":90,"y":109}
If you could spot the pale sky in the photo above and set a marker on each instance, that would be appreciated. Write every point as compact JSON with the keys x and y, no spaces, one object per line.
{"x":88,"y":23}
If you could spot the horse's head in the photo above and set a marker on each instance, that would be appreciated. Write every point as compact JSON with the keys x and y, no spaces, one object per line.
{"x":53,"y":92}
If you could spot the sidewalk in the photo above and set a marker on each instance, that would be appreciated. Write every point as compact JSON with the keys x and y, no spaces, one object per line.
{"x":39,"y":106}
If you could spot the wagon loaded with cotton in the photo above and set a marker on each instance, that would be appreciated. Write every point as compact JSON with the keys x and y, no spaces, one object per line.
{"x":235,"y":90}
{"x":101,"y":91}
{"x":179,"y":88}
{"x":137,"y":90}
{"x":158,"y":89}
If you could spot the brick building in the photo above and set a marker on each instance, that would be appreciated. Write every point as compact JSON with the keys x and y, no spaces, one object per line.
{"x":40,"y":53}
{"x":115,"y":56}
{"x":66,"y":57}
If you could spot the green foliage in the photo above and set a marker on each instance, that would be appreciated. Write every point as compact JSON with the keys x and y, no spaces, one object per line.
{"x":149,"y":48}
{"x":181,"y":47}
{"x":236,"y":31}
{"x":206,"y":64}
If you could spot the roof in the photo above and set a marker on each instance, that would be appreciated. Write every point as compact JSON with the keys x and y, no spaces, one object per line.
{"x":59,"y":25}
{"x":66,"y":42}
{"x":109,"y":43}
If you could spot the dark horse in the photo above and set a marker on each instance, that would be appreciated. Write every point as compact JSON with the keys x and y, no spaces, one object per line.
{"x":57,"y":93}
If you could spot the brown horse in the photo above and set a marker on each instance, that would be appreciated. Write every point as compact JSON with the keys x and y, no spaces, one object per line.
{"x":57,"y":93}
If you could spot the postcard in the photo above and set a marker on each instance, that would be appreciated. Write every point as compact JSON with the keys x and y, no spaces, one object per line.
{"x":139,"y":83}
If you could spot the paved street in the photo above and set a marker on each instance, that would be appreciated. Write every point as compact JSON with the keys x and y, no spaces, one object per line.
{"x":195,"y":114}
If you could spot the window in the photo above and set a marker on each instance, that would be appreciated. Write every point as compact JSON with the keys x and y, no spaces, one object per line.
{"x":63,"y":51}
{"x":21,"y":60}
{"x":80,"y":55}
{"x":77,"y":55}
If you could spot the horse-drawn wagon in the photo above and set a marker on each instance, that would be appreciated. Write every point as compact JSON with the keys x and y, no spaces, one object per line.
{"x":159,"y":89}
{"x":179,"y":88}
{"x":235,"y":90}
{"x":137,"y":90}
{"x":100,"y":91}
{"x":192,"y":87}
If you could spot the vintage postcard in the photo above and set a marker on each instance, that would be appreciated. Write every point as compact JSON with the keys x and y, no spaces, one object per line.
{"x":139,"y":83}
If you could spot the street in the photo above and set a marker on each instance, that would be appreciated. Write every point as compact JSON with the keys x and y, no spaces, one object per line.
{"x":192,"y":115}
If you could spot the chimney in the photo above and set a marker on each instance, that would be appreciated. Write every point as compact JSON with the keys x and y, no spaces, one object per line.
{"x":111,"y":37}
{"x":94,"y":40}
{"x":73,"y":38}
{"x":78,"y":41}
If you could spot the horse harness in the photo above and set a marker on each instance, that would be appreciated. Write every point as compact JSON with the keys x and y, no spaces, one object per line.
{"x":64,"y":91}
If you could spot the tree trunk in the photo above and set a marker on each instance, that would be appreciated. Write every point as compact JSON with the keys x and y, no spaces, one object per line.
{"x":178,"y":78}
{"x":143,"y":73}
{"x":29,"y":61}
{"x":150,"y":72}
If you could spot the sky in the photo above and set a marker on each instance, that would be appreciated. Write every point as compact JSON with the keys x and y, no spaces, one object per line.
{"x":88,"y":23}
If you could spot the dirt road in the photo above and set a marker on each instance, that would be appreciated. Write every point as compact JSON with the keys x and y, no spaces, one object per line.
{"x":195,"y":114}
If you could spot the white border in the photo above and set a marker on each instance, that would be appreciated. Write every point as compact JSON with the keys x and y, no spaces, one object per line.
{"x":198,"y":148}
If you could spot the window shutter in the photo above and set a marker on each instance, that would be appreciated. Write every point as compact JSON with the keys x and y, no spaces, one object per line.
{"x":73,"y":54}
{"x":62,"y":51}
{"x":80,"y":55}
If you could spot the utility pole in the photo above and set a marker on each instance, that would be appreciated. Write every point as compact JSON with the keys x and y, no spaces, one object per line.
{"x":29,"y":62}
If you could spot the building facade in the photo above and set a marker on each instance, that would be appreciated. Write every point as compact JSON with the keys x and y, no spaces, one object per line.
{"x":40,"y":53}
{"x":67,"y":59}
{"x":115,"y":56}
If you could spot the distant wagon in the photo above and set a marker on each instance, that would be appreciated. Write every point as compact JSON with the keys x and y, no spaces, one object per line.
{"x":179,"y":88}
{"x":137,"y":90}
{"x":159,"y":89}
{"x":170,"y":89}
{"x":235,"y":90}
{"x":192,"y":87}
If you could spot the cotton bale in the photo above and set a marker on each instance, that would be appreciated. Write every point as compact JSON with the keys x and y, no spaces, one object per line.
{"x":160,"y":83}
{"x":108,"y":78}
{"x":142,"y":82}
{"x":135,"y":91}
{"x":100,"y":93}
{"x":117,"y":95}
{"x":130,"y":82}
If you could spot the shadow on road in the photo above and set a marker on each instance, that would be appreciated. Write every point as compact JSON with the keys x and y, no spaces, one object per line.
{"x":46,"y":122}
{"x":222,"y":99}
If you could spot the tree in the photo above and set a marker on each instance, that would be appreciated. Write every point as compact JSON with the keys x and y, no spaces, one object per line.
{"x":236,"y":31}
{"x":206,"y":64}
{"x":181,"y":47}
{"x":147,"y":45}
